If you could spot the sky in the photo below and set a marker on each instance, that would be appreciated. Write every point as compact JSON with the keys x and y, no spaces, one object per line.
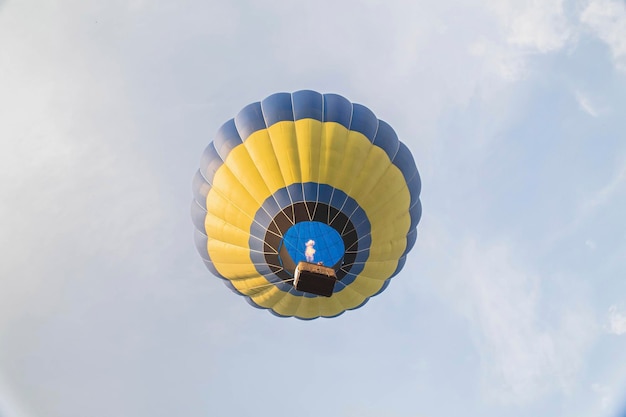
{"x":512,"y":302}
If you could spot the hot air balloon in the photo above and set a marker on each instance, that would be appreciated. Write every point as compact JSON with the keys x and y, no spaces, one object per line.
{"x":306,"y":204}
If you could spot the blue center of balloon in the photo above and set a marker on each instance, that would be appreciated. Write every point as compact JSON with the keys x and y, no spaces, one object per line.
{"x":314,"y":242}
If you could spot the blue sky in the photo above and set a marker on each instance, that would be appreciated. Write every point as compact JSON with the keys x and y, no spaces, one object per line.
{"x":512,"y":302}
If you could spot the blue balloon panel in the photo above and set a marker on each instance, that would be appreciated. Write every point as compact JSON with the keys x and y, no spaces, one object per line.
{"x":314,"y":242}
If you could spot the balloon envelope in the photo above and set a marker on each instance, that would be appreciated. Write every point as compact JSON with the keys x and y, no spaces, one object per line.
{"x":309,"y":177}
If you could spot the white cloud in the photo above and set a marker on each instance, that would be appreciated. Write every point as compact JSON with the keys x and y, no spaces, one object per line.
{"x":604,"y":394}
{"x":607,"y":192}
{"x":525,"y":354}
{"x":517,"y":31}
{"x":539,"y":25}
{"x":9,"y":404}
{"x":76,"y":197}
{"x":617,"y":321}
{"x":587,"y":207}
{"x":535,"y":25}
{"x":508,"y":64}
{"x":67,"y":164}
{"x":607,"y":19}
{"x":586,"y":105}
{"x":590,"y":244}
